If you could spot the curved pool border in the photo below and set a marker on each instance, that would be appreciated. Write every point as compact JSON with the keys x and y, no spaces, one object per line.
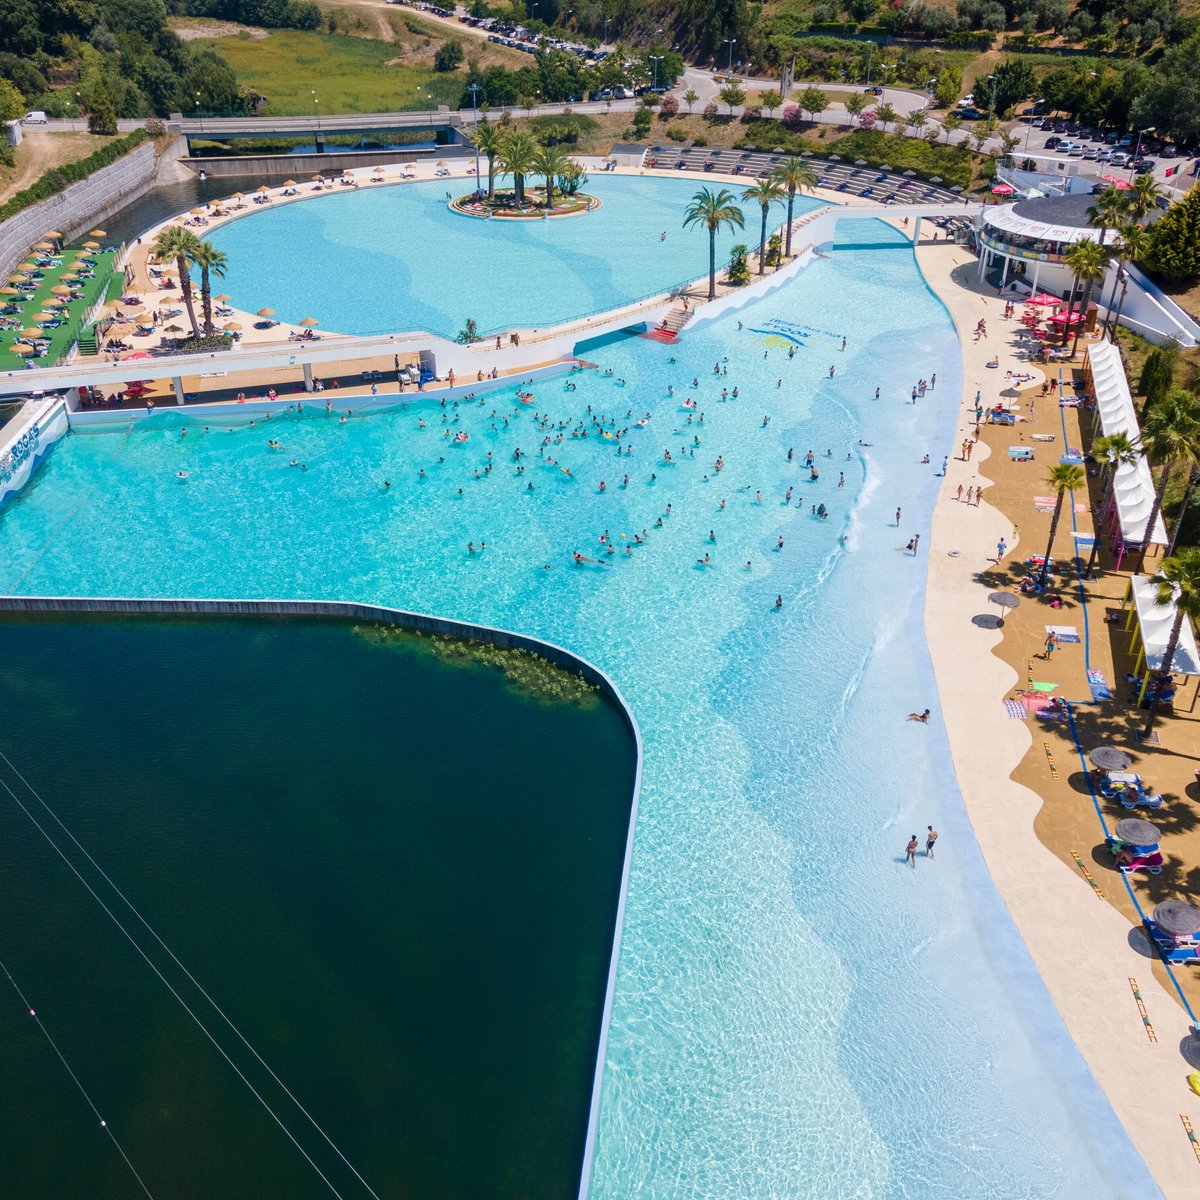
{"x":429,"y":624}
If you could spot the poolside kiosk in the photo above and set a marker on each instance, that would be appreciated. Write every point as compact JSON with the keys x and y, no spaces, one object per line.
{"x":1151,"y":624}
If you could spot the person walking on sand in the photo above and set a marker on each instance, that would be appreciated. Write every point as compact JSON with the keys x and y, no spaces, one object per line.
{"x":958,"y":497}
{"x":910,"y":852}
{"x":1051,"y":644}
{"x":930,"y":840}
{"x":897,"y":518}
{"x":1001,"y":551}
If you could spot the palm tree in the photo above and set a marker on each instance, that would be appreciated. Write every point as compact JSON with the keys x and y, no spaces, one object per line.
{"x":179,"y":244}
{"x":1178,"y":583}
{"x":1171,"y":434}
{"x":489,"y":139}
{"x":548,"y":162}
{"x":211,"y":261}
{"x":795,"y":175}
{"x":1133,"y":243}
{"x":1088,"y":261}
{"x":1107,"y":212}
{"x":1193,"y":480}
{"x":1063,"y":478}
{"x":1113,"y":451}
{"x":764,"y":193}
{"x":518,"y":155}
{"x":1142,"y":199}
{"x":713,"y":210}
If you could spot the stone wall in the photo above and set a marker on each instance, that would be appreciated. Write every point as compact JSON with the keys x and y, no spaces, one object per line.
{"x":83,"y":204}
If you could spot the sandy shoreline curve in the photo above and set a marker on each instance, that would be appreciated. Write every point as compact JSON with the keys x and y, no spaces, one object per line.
{"x":1080,"y":944}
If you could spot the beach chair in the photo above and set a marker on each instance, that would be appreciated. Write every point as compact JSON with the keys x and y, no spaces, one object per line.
{"x":1139,"y":799}
{"x":1151,"y":863}
{"x":1020,"y":453}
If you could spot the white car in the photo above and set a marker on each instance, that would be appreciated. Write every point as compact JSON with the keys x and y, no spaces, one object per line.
{"x":37,"y":117}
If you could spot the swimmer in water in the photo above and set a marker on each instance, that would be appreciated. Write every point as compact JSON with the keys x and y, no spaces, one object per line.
{"x":181,"y":474}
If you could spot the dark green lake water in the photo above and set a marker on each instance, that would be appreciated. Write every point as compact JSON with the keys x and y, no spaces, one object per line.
{"x":398,"y":879}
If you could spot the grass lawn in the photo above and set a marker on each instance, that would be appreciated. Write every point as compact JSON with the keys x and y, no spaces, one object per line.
{"x":348,"y":74}
{"x":106,"y":284}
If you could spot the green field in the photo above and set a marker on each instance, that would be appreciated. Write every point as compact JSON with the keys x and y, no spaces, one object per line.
{"x":348,"y":74}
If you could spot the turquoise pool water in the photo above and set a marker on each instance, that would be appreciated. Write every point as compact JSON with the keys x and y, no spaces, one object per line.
{"x":797,"y":1013}
{"x":394,"y":259}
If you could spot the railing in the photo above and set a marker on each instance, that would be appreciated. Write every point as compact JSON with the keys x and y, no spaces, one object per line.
{"x":1003,"y":247}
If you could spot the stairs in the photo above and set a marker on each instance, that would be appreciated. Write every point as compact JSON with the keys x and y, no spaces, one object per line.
{"x":87,"y":341}
{"x":668,"y":332}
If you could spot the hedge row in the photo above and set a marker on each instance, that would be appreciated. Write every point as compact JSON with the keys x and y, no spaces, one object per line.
{"x":57,"y":179}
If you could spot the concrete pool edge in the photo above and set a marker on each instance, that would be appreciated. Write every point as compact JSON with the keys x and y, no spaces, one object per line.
{"x":424,"y":623}
{"x":1049,"y":907}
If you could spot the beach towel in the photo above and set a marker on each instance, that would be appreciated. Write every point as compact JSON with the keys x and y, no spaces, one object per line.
{"x":1015,"y":709}
{"x":1044,"y":687}
{"x":1064,"y":633}
{"x":1044,"y":437}
{"x":1098,"y":685}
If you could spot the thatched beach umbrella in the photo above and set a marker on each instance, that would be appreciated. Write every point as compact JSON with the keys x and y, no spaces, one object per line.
{"x":53,"y":302}
{"x":238,"y":196}
{"x":27,"y":267}
{"x":1136,"y":832}
{"x":44,"y":246}
{"x":18,"y":277}
{"x":310,"y":321}
{"x":98,"y":233}
{"x":232,"y":327}
{"x":9,"y":291}
{"x":26,"y":334}
{"x":265,"y":312}
{"x":1177,"y":918}
{"x":262,"y":187}
{"x":379,"y":171}
{"x":60,"y":289}
{"x":222,"y":298}
{"x":44,"y":318}
{"x":52,"y":234}
{"x":289,"y":183}
{"x":22,"y":348}
{"x":1109,"y":758}
{"x":935,"y":179}
{"x":91,"y":245}
{"x":860,"y":162}
{"x":120,"y":329}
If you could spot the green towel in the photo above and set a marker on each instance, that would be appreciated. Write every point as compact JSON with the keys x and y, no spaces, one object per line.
{"x":1045,"y":687}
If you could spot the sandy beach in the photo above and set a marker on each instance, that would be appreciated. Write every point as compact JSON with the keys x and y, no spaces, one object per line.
{"x":1085,"y":949}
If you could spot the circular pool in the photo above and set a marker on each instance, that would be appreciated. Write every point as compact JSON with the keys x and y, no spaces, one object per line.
{"x":397,"y":259}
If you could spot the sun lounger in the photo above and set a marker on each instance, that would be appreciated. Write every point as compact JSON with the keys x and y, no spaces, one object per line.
{"x":1151,"y":863}
{"x":1131,"y":800}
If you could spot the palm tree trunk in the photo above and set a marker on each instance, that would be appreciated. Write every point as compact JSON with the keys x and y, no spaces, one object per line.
{"x":1087,"y":299}
{"x":550,"y":190}
{"x":185,"y":288}
{"x":491,"y":176}
{"x":712,"y":263}
{"x":791,"y":200}
{"x":1183,"y":507}
{"x":1113,"y":294}
{"x":1163,"y":674}
{"x":519,"y":186}
{"x":1070,"y":309}
{"x":762,"y":243}
{"x":206,"y":301}
{"x":1045,"y":572}
{"x":1155,"y":509}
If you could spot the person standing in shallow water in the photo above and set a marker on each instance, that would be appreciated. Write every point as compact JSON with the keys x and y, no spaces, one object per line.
{"x":930,"y":840}
{"x":910,"y":852}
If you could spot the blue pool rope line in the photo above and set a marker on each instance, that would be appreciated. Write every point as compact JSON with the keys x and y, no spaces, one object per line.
{"x":1087,"y":665}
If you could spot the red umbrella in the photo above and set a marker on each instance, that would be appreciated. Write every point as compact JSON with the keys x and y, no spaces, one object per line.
{"x":1043,"y":298}
{"x":1120,"y":184}
{"x":1003,"y":189}
{"x":1063,"y":318}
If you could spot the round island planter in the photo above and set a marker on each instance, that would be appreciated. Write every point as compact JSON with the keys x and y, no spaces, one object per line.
{"x":503,"y":205}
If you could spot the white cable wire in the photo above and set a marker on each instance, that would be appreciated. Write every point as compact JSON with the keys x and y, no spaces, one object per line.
{"x":166,"y":982}
{"x":83,"y":1091}
{"x":192,"y":979}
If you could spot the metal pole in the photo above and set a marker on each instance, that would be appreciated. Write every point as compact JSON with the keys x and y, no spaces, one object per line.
{"x":1120,"y":306}
{"x":473,"y":89}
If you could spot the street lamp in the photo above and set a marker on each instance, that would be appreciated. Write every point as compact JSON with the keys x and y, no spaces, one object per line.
{"x":1029,"y":127}
{"x":992,"y":104}
{"x":1137,"y":152}
{"x":316,"y":108}
{"x":199,"y":113}
{"x":655,"y":59}
{"x":870,"y":63}
{"x":730,"y":42}
{"x":474,"y":89}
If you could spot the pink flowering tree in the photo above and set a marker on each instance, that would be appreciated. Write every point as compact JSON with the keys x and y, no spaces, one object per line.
{"x":790,"y":116}
{"x":669,"y":107}
{"x":867,"y":119}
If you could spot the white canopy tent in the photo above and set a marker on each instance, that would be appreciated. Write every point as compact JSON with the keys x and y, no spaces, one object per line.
{"x":1133,"y":485}
{"x":1156,"y":622}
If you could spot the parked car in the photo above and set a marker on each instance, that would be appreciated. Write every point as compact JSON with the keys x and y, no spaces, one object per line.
{"x":971,"y":114}
{"x":1064,"y":147}
{"x":874,"y":91}
{"x":1126,"y":139}
{"x":1052,"y":142}
{"x":37,"y":117}
{"x":1144,"y":166}
{"x":1118,"y":158}
{"x":1170,"y":152}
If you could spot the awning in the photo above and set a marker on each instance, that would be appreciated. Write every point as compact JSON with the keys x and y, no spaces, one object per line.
{"x":1155,"y":622}
{"x":1133,"y":486}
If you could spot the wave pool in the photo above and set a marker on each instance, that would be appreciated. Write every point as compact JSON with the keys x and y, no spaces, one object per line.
{"x":797,"y":1013}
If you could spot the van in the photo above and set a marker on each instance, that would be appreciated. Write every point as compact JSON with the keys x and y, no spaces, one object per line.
{"x":37,"y":117}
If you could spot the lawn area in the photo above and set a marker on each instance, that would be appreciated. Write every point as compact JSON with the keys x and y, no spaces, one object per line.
{"x":348,"y":74}
{"x":106,"y":283}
